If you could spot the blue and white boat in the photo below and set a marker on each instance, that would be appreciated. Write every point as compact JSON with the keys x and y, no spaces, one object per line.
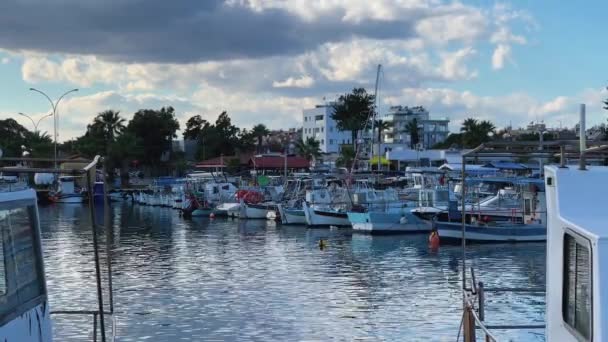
{"x":291,"y":215}
{"x":388,"y":222}
{"x":451,"y":232}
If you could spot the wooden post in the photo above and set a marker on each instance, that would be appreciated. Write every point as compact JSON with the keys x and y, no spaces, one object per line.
{"x":468,"y":325}
{"x":482,"y":299}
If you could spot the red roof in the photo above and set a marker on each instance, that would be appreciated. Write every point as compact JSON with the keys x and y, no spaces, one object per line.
{"x":278,"y":162}
{"x":223,"y":161}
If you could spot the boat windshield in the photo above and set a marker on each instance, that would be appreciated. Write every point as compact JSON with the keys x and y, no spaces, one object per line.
{"x":21,"y":274}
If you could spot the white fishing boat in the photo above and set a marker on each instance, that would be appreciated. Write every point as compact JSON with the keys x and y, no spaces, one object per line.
{"x":325,"y":216}
{"x":228,"y":209}
{"x":256,"y":211}
{"x":66,"y":191}
{"x":291,"y":215}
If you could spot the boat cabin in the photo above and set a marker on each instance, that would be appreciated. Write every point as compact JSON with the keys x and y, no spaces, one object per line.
{"x":577,"y":247}
{"x":24,"y":310}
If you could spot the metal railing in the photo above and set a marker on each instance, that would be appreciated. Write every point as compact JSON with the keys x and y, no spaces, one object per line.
{"x":474,"y":317}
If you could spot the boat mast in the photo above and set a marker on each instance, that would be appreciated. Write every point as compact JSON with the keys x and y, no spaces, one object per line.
{"x":374,"y":120}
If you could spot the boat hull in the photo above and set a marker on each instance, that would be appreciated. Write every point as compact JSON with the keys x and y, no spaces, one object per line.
{"x":452,"y":233}
{"x":227,"y":210}
{"x":73,"y":198}
{"x":292,"y":215}
{"x":255,"y":211}
{"x":388,"y":223}
{"x":324,"y":217}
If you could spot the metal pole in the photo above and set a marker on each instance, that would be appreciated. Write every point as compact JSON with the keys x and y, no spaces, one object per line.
{"x":55,"y":117}
{"x":109,"y":230}
{"x":96,"y":255}
{"x":29,"y":117}
{"x":582,"y":138}
{"x":464,"y":253}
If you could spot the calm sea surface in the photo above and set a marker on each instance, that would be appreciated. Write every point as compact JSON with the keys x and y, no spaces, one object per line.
{"x":230,"y":280}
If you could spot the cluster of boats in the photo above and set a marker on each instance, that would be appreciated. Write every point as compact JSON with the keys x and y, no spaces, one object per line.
{"x":491,"y":208}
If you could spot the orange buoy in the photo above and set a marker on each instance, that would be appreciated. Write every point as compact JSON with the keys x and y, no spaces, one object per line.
{"x":434,"y":239}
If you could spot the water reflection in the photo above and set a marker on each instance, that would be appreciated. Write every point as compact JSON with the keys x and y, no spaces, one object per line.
{"x":204,"y":279}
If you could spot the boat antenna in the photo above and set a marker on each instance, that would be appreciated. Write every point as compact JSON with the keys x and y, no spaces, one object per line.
{"x":582,"y":138}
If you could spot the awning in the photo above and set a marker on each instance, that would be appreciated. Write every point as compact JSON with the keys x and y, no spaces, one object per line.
{"x":374,"y":160}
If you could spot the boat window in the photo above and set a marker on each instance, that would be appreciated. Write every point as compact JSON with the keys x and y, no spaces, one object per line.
{"x":576,"y":296}
{"x":527,"y":206}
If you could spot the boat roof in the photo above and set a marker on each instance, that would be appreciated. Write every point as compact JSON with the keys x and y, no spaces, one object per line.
{"x":581,"y":196}
{"x":16,"y":194}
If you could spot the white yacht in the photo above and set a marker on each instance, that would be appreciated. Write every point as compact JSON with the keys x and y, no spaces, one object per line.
{"x":577,"y":245}
{"x":24,"y":302}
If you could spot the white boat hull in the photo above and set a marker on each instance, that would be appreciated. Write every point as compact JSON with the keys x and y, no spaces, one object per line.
{"x":254,"y":211}
{"x":292,"y":216}
{"x":323,"y":217}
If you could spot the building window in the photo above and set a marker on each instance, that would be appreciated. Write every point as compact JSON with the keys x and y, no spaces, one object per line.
{"x":576,"y":296}
{"x":319,"y":117}
{"x":331,"y":128}
{"x":322,"y":129}
{"x":316,"y":129}
{"x":322,"y":141}
{"x":306,"y":118}
{"x":331,"y":141}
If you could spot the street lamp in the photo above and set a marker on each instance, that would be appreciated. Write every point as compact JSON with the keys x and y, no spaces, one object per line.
{"x":33,"y":122}
{"x":55,"y":116}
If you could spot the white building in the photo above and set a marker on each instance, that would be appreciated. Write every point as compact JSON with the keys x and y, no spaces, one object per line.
{"x":317,"y":123}
{"x":430,"y":131}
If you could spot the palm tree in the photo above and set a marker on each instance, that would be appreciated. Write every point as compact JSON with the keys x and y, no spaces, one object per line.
{"x":111,"y":123}
{"x":309,"y":149}
{"x":347,"y":157}
{"x":474,"y":132}
{"x":412,"y":129}
{"x":259,"y":131}
{"x":381,"y":126}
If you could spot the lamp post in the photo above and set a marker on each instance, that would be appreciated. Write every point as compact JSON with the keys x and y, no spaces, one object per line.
{"x":55,"y":117}
{"x":34,"y":122}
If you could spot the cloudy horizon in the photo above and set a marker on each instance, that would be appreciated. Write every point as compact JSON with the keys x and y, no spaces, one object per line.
{"x":264,"y":61}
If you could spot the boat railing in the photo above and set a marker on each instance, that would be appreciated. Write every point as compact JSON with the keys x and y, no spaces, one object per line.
{"x":474,"y":313}
{"x":105,"y":306}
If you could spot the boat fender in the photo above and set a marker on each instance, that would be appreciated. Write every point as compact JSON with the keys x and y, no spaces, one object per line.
{"x":212,"y":216}
{"x":434,"y":239}
{"x":322,"y":244}
{"x":403,"y":220}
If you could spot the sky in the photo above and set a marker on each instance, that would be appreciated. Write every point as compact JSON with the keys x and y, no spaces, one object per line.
{"x":264,"y":61}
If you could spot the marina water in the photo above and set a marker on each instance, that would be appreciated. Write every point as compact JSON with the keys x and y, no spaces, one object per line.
{"x":231,"y":280}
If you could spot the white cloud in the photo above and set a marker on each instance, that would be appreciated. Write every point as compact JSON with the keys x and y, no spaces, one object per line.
{"x":291,"y":82}
{"x":515,"y":108}
{"x":501,"y":54}
{"x":453,"y":66}
{"x":5,"y":60}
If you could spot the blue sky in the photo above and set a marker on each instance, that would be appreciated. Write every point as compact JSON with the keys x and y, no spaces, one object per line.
{"x":265,"y":60}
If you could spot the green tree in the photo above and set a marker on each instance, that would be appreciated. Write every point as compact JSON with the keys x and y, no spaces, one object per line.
{"x":259,"y":131}
{"x":474,"y":132}
{"x":309,"y":149}
{"x":412,"y":129}
{"x":194,"y":127}
{"x":12,"y":137}
{"x":40,"y":145}
{"x":347,"y":157}
{"x":110,"y":125}
{"x":352,"y":111}
{"x":155,"y":129}
{"x":246,"y":141}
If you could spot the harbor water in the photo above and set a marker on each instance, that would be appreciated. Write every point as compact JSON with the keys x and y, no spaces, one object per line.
{"x":231,"y":280}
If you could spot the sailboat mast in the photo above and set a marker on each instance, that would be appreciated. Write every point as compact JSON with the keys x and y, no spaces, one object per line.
{"x":374,"y":120}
